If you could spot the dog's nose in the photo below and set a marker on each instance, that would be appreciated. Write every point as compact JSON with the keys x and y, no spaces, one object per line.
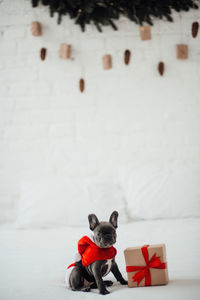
{"x":108,"y":236}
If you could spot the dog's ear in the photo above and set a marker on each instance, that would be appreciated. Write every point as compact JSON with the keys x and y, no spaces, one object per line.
{"x":93,"y":221}
{"x":113,"y":218}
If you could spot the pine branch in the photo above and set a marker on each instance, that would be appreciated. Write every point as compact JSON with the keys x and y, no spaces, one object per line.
{"x":105,"y":11}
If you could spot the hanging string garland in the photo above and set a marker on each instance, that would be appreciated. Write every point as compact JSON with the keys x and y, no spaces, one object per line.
{"x":182,"y":48}
{"x":195,"y":24}
{"x":103,"y":12}
{"x":145,"y":31}
{"x":36,"y":30}
{"x":161,"y":64}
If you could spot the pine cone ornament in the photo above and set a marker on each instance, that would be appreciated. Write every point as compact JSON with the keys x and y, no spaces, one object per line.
{"x":81,"y":85}
{"x":127,"y":56}
{"x":195,"y":29}
{"x":43,"y":53}
{"x":161,"y":68}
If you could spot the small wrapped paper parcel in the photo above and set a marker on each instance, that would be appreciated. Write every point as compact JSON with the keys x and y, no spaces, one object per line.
{"x":146,"y":265}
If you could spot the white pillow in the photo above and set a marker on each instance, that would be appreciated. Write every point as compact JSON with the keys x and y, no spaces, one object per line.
{"x":169,"y":191}
{"x":63,"y":201}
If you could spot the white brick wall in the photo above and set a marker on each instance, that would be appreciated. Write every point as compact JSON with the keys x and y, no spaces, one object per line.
{"x":127,"y":116}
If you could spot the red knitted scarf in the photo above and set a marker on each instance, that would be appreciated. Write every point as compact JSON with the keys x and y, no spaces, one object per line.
{"x":90,"y":252}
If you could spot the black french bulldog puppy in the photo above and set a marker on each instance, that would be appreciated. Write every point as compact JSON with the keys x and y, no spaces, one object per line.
{"x":104,"y":237}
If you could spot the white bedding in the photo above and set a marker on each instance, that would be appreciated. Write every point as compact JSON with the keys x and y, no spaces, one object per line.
{"x":32,"y":262}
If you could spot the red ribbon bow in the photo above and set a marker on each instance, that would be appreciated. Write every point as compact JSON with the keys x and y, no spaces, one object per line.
{"x":144,"y":272}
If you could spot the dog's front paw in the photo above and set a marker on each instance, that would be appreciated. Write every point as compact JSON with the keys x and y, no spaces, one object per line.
{"x":124,"y":282}
{"x":104,"y":292}
{"x":86,"y":289}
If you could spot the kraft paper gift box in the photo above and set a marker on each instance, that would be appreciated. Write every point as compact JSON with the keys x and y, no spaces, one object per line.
{"x":65,"y":51}
{"x":182,"y":51}
{"x":146,"y":265}
{"x":36,"y":28}
{"x":145,"y":33}
{"x":107,"y":61}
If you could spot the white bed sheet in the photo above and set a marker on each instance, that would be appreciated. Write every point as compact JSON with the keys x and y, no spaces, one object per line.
{"x":32,"y":262}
